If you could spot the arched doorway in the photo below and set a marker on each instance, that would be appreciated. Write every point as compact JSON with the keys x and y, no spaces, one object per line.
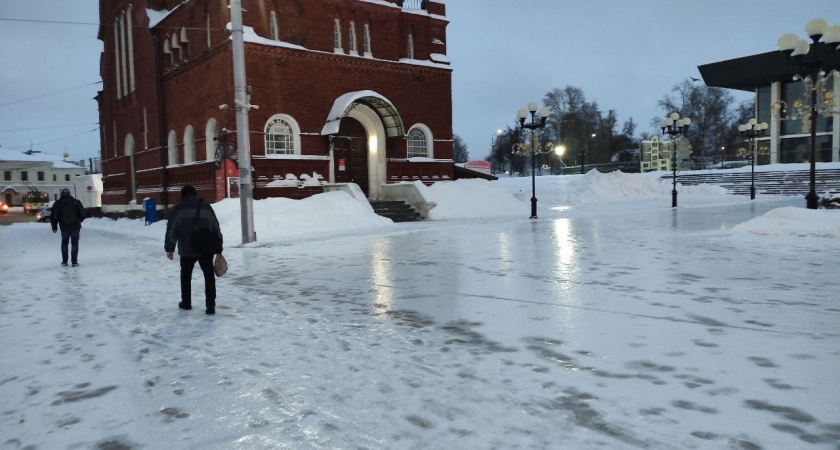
{"x":380,"y":121}
{"x":350,"y":154}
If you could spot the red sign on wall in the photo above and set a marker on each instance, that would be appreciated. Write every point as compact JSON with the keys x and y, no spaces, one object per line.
{"x":341,"y":164}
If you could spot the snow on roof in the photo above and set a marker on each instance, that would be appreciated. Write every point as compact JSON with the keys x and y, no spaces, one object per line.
{"x":36,"y":158}
{"x":156,"y":16}
{"x":249,"y":35}
{"x":439,"y":61}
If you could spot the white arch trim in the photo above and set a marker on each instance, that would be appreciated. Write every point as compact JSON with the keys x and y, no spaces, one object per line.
{"x":129,"y":145}
{"x":189,"y":144}
{"x":173,"y":147}
{"x":385,"y":110}
{"x":211,"y":132}
{"x":375,"y":130}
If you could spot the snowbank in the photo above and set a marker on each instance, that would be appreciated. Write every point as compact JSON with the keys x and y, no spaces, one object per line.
{"x":793,"y":221}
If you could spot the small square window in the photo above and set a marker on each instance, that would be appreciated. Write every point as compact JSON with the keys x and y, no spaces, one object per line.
{"x":66,"y":177}
{"x":40,"y":176}
{"x":7,"y":175}
{"x":24,"y":175}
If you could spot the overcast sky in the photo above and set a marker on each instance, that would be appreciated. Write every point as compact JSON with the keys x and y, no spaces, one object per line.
{"x":624,"y":54}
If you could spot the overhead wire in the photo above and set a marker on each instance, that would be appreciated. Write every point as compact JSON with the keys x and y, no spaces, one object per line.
{"x":51,"y":93}
{"x":48,"y":126}
{"x":54,"y":140}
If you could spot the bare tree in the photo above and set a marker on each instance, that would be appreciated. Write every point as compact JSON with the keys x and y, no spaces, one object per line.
{"x":712,"y":111}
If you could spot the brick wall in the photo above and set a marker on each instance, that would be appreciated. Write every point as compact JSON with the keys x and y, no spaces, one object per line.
{"x":302,"y":84}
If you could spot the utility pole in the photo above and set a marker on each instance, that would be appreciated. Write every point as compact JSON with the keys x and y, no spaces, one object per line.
{"x":243,"y":136}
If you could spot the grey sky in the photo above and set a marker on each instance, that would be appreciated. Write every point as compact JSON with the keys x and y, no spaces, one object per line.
{"x":624,"y":54}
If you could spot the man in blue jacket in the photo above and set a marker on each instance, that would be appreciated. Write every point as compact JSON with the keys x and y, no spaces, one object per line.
{"x":68,"y":214}
{"x":184,"y":219}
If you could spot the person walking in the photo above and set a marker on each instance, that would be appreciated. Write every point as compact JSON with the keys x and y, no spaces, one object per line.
{"x":68,"y":215}
{"x":187,"y":219}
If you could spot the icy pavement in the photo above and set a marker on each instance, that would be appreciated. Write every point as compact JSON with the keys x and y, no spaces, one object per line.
{"x":584,"y":329}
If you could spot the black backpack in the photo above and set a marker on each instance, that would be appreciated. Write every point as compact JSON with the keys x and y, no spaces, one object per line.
{"x":204,"y":240}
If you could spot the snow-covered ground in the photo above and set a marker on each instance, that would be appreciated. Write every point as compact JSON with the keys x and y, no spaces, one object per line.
{"x":612,"y":321}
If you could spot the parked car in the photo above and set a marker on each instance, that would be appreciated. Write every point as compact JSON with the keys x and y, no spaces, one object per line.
{"x":4,"y":208}
{"x":44,"y":214}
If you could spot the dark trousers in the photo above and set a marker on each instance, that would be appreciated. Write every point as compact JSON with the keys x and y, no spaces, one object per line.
{"x":71,"y":236}
{"x":206,"y":264}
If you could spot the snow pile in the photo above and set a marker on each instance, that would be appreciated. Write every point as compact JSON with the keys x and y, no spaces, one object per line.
{"x":471,"y":198}
{"x":793,"y":221}
{"x":595,"y":187}
{"x":283,"y":218}
{"x":334,"y":213}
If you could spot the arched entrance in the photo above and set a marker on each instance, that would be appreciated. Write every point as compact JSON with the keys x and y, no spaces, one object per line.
{"x":379,"y":120}
{"x":350,"y":154}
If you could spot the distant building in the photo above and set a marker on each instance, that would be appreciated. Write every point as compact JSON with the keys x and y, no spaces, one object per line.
{"x":771,"y":77}
{"x":478,"y":166}
{"x":348,"y":91}
{"x":656,"y":154}
{"x":25,"y":172}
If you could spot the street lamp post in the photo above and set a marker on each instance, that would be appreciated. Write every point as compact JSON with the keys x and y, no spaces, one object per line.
{"x":812,"y":60}
{"x":535,"y":124}
{"x":752,"y":130}
{"x":492,"y":147}
{"x":673,"y":126}
{"x":583,"y":154}
{"x":560,"y":150}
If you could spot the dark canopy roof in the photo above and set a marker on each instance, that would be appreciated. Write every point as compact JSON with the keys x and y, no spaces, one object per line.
{"x":751,"y":72}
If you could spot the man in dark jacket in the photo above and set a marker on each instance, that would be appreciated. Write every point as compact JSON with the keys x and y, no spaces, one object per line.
{"x":183,"y":220}
{"x":68,"y":214}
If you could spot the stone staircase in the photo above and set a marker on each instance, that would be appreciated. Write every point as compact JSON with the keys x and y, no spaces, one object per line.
{"x":794,"y":182}
{"x":398,"y":211}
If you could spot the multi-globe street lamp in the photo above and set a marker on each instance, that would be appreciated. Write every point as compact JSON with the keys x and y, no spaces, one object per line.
{"x":752,"y":130}
{"x":538,"y":119}
{"x":673,"y":126}
{"x":811,"y":60}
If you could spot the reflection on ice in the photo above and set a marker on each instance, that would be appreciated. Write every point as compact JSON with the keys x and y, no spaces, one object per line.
{"x":380,"y":269}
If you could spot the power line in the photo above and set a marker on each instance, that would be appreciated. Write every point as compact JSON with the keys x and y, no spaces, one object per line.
{"x":54,"y":140}
{"x":47,"y":95}
{"x":49,"y":126}
{"x":65,"y":22}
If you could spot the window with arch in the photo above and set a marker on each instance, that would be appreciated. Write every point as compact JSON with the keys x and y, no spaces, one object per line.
{"x":129,"y":145}
{"x":352,"y":44}
{"x":282,"y":136}
{"x":272,"y":26}
{"x":410,"y":46}
{"x":176,"y":47}
{"x":189,"y":144}
{"x":130,"y":35}
{"x":172,"y":143}
{"x":123,"y":58}
{"x":337,"y":35}
{"x":117,"y":57}
{"x":167,"y":51}
{"x":211,"y":132}
{"x":185,"y":41}
{"x":366,"y":40}
{"x":419,"y":142}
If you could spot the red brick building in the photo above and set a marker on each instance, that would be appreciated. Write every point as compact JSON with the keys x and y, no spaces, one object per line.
{"x":348,"y":91}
